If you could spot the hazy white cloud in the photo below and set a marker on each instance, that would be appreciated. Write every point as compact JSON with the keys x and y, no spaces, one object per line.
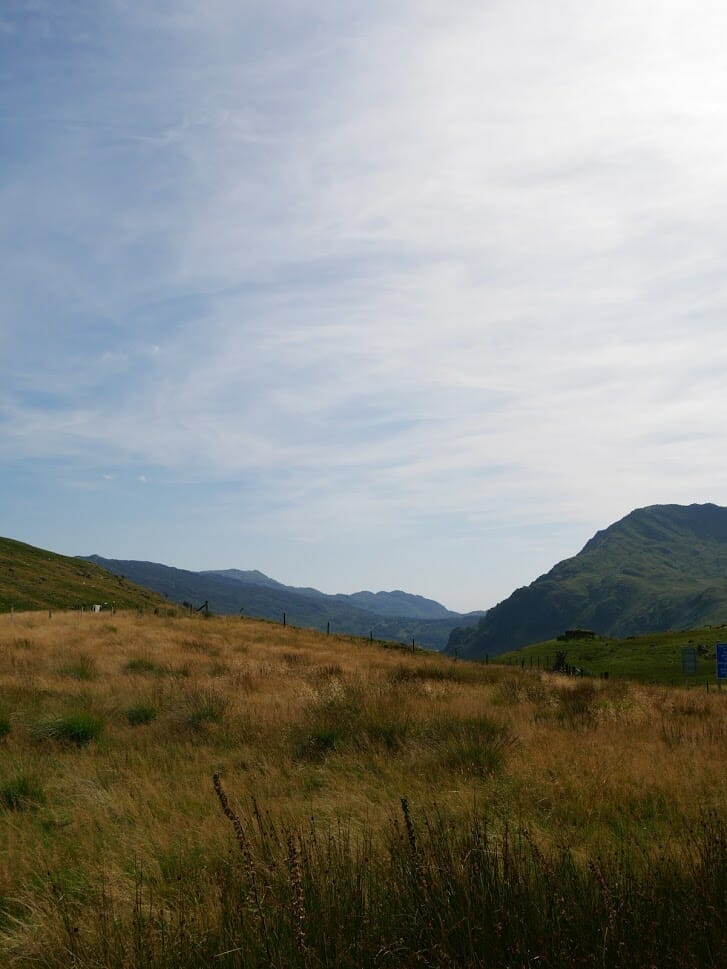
{"x":370,"y":272}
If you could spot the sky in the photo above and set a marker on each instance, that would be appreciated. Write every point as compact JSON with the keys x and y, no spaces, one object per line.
{"x":394,"y":295}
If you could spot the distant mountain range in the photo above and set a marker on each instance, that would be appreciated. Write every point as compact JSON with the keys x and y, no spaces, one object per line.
{"x":659,"y":568}
{"x":398,"y":616}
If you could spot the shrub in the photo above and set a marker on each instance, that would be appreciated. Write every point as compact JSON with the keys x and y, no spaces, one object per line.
{"x":77,"y":729}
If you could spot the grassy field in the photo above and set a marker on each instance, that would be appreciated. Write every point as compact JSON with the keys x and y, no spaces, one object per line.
{"x":34,"y":578}
{"x":372,"y":806}
{"x":654,"y":658}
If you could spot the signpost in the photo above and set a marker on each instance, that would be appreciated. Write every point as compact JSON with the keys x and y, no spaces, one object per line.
{"x":721,"y":650}
{"x":689,"y":660}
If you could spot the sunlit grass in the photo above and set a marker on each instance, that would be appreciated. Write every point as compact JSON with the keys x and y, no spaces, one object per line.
{"x":108,"y":816}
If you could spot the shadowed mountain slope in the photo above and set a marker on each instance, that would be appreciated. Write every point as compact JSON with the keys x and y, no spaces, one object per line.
{"x":397,"y":616}
{"x":659,"y":568}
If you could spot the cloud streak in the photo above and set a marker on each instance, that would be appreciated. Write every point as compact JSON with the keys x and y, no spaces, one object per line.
{"x":373,"y":275}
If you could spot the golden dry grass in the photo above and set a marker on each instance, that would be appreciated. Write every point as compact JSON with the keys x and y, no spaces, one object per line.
{"x":308,"y":725}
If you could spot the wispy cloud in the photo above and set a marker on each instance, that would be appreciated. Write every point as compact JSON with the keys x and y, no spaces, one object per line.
{"x":364,"y":271}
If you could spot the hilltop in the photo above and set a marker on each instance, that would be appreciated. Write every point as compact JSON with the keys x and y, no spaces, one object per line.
{"x":659,"y":568}
{"x":33,"y":578}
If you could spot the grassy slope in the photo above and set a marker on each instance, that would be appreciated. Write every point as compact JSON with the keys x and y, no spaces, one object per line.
{"x":653,"y":658}
{"x":32,"y":578}
{"x":660,"y":568}
{"x":114,"y":852}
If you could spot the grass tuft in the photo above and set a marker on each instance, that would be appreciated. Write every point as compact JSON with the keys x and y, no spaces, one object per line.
{"x":140,"y":714}
{"x":83,"y":668}
{"x":22,"y":792}
{"x":71,"y":729}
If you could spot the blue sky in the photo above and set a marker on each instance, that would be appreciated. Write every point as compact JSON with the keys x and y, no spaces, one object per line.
{"x":385,"y":295}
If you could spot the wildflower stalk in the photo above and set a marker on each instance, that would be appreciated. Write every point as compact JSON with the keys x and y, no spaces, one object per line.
{"x":246,"y":850}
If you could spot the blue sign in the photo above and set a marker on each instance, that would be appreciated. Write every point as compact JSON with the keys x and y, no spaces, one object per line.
{"x":722,"y":661}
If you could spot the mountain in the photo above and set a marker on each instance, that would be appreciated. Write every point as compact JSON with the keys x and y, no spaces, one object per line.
{"x":396,"y":615}
{"x":32,"y":578}
{"x":659,"y":568}
{"x":393,"y":604}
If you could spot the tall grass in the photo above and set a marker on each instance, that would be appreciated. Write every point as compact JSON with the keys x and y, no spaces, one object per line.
{"x":429,"y":891}
{"x":547,"y":822}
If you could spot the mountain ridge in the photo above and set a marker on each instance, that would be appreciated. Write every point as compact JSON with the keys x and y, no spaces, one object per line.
{"x":400,"y":616}
{"x":658,"y":568}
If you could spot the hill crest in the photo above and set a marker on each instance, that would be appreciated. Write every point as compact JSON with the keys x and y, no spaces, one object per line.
{"x":33,"y":578}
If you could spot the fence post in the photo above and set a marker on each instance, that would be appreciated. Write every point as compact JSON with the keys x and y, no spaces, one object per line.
{"x":285,"y":620}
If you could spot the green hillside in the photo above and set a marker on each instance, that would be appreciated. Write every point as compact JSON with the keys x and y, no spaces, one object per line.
{"x":659,"y":568}
{"x":33,"y":578}
{"x":651,"y":658}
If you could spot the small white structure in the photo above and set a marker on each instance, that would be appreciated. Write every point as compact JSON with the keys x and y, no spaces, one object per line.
{"x":97,"y":608}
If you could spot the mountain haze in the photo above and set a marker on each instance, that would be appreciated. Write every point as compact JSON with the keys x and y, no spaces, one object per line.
{"x":659,"y":568}
{"x":396,"y":615}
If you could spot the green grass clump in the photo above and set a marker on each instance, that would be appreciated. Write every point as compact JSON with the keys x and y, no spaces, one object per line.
{"x":83,"y":668}
{"x":71,"y":729}
{"x":21,"y":792}
{"x":140,"y":714}
{"x":474,"y":747}
{"x":317,"y":743}
{"x":143,"y":665}
{"x":203,"y":707}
